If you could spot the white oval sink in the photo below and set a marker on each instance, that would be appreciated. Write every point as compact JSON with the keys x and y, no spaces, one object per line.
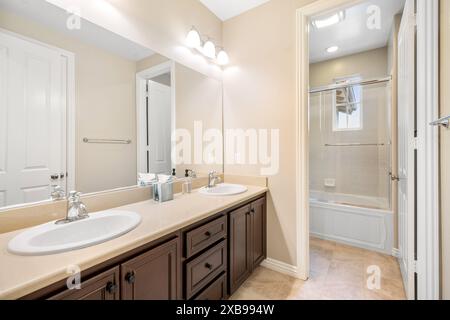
{"x":224,"y":189}
{"x":51,"y":238}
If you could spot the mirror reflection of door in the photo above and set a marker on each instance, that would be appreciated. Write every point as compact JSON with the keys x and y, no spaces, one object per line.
{"x":159,"y":125}
{"x":32,"y":120}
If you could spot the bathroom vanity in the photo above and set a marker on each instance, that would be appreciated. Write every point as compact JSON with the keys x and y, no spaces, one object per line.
{"x":206,"y":255}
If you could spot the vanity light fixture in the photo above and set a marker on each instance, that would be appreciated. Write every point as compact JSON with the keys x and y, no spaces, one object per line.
{"x":332,"y":49}
{"x":329,"y":21}
{"x":193,"y":39}
{"x":222,"y":57}
{"x":207,"y":48}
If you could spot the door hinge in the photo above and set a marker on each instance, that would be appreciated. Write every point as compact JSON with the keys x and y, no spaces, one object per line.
{"x":415,"y":143}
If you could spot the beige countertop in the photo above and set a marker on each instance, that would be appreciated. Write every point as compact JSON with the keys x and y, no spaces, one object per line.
{"x":21,"y":275}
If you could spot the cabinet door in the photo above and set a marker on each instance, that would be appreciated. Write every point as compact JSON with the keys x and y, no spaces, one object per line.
{"x":240,"y":247}
{"x":105,"y":286}
{"x":258,"y":245}
{"x":152,"y":275}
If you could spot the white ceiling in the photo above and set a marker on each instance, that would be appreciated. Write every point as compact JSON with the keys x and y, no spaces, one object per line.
{"x":352,"y":35}
{"x":53,"y":17}
{"x":227,"y":9}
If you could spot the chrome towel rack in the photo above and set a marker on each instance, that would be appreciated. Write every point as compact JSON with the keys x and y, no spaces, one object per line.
{"x":355,"y":145}
{"x":444,"y":122}
{"x":106,"y":141}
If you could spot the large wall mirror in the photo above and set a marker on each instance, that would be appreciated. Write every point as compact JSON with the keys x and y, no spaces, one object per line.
{"x":88,"y":110}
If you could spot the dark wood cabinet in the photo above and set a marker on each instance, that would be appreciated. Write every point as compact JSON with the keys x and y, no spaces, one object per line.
{"x":240,"y":247}
{"x":259,"y":233}
{"x":208,"y":260}
{"x":152,"y":275}
{"x":215,"y":291}
{"x":203,"y":269}
{"x":104,"y":286}
{"x":247,"y":246}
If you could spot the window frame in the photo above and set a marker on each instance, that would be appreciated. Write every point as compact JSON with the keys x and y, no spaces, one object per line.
{"x":336,"y":128}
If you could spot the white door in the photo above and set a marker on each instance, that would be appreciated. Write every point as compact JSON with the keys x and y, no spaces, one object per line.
{"x":159,"y":126}
{"x":32,"y":120}
{"x":406,"y":152}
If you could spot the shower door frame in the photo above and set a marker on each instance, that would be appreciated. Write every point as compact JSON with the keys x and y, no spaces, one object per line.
{"x":428,"y":230}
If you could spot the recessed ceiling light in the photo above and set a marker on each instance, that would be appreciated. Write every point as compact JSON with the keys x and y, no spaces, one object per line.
{"x":329,"y":21}
{"x":332,"y":49}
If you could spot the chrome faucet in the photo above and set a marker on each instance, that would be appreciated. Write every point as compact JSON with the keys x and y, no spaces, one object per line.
{"x":57,"y":193}
{"x":76,"y":209}
{"x":213,"y":179}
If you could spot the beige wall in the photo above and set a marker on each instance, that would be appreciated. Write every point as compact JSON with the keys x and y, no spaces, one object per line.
{"x":161,"y":25}
{"x":260,"y":92}
{"x":105,"y":107}
{"x":445,"y":148}
{"x":369,"y":64}
{"x":199,"y":98}
{"x":358,"y":171}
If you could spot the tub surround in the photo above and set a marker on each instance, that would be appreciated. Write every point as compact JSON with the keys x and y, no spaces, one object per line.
{"x":18,"y":279}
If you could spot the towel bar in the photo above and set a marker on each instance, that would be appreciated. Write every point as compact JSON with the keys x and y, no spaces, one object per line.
{"x":106,"y":141}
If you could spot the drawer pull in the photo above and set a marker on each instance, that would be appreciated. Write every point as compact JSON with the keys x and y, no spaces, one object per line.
{"x":208,"y":234}
{"x":130,"y":277}
{"x":208,"y":266}
{"x":111,"y":288}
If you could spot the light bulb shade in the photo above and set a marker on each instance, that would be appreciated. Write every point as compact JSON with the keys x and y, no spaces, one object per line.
{"x":222,"y":58}
{"x":193,"y":39}
{"x":209,"y":49}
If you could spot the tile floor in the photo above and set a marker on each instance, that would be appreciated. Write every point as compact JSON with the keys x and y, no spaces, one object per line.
{"x":338,"y":272}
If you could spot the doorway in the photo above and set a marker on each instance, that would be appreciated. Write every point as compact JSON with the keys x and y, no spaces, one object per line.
{"x":156,"y":118}
{"x":324,"y":14}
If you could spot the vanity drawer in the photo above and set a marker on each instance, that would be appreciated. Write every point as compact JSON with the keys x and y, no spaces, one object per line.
{"x":206,"y":235}
{"x":202,"y":270}
{"x":215,"y":291}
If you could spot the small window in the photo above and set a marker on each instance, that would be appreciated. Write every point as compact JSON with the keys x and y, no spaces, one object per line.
{"x":347,"y":106}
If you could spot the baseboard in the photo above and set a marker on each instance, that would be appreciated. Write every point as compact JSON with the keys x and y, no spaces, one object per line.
{"x":396,"y":253}
{"x":280,"y":267}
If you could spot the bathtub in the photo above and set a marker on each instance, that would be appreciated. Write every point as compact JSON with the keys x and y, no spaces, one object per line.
{"x":352,"y":220}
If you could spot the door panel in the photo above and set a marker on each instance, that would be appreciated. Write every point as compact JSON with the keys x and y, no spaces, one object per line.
{"x":159,"y":128}
{"x":406,"y":130}
{"x":31,"y":116}
{"x":152,"y":275}
{"x":102,"y":287}
{"x":240,"y":247}
{"x":258,"y":232}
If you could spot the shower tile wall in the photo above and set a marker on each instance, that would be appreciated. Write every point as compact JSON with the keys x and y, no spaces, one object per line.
{"x":360,"y":170}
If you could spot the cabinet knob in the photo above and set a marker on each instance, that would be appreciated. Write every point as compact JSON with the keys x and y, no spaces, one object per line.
{"x":111,"y":288}
{"x":208,"y":234}
{"x":252,"y":210}
{"x":130,"y":277}
{"x":208,"y":266}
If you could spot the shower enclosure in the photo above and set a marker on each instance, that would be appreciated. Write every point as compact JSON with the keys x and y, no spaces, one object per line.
{"x":350,"y":163}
